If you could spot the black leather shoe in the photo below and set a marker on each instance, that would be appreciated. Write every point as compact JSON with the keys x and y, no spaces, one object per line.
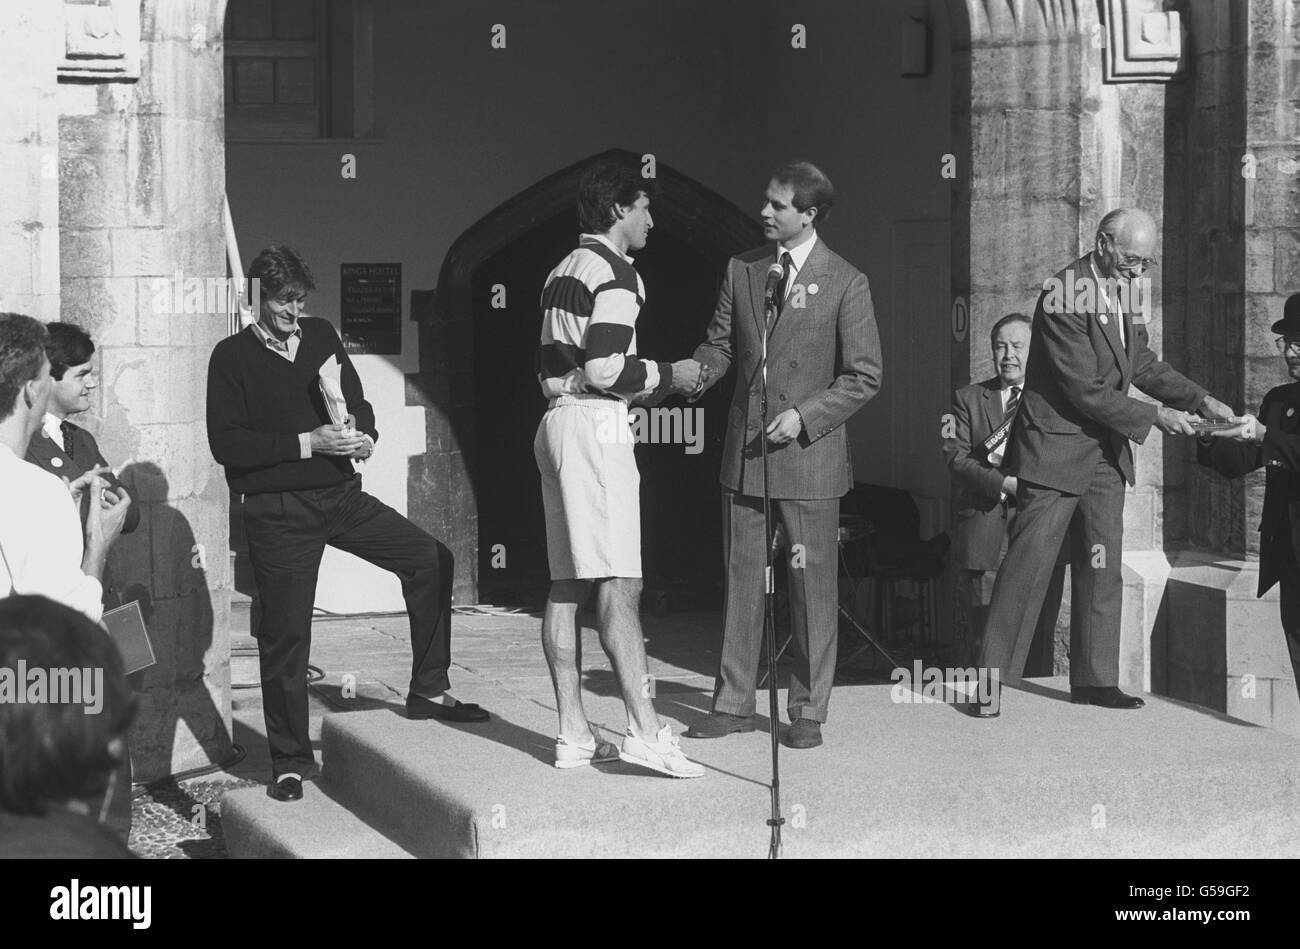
{"x":803,"y":733}
{"x":417,"y":706}
{"x":1106,"y":696}
{"x":720,"y":725}
{"x":286,"y":789}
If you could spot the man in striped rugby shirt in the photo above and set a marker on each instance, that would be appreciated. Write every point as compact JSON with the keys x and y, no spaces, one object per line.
{"x":589,"y":371}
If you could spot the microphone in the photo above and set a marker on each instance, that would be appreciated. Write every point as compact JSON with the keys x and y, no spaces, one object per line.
{"x":775,"y":274}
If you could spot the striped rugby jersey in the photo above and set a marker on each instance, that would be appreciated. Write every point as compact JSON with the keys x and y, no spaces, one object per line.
{"x":590,"y":306}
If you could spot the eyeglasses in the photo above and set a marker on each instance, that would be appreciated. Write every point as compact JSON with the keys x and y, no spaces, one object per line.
{"x":1285,"y":345}
{"x":1129,"y":260}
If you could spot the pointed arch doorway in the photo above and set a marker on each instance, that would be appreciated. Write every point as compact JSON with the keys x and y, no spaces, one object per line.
{"x":479,"y":333}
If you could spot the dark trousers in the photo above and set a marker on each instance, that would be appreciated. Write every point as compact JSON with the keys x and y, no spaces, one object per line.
{"x":1289,"y":582}
{"x":975,"y":587}
{"x":1096,"y":523}
{"x":812,"y":552}
{"x":287,"y":533}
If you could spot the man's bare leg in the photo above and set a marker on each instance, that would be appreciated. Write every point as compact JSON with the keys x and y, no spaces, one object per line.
{"x":619,"y":623}
{"x":562,"y":643}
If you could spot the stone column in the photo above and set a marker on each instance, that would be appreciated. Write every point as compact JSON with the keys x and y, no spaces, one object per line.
{"x":31,"y":45}
{"x":1022,"y":136}
{"x":142,"y":168}
{"x":1224,"y":647}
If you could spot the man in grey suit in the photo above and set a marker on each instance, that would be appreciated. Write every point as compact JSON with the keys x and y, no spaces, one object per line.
{"x":984,"y":496}
{"x":823,"y":365}
{"x":1071,"y":456}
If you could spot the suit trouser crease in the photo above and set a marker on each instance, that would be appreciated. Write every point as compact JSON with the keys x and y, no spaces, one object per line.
{"x":287,"y":535}
{"x":1096,"y":578}
{"x":813,"y":602}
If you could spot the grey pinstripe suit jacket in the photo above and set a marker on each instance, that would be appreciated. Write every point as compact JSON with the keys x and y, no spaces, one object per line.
{"x":823,"y":359}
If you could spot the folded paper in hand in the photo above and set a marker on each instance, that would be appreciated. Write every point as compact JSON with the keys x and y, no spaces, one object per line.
{"x":331,"y":387}
{"x":336,"y":403}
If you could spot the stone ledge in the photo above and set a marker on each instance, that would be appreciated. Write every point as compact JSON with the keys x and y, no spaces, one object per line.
{"x":1221,"y":646}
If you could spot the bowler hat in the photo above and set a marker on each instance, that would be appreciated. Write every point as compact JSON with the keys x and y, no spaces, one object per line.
{"x":1289,"y":325}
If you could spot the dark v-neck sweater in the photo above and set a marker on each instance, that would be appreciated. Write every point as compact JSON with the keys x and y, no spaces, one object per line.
{"x":259,"y":402}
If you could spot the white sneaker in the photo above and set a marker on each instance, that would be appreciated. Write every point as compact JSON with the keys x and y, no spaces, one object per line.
{"x":576,"y":754}
{"x":660,"y":755}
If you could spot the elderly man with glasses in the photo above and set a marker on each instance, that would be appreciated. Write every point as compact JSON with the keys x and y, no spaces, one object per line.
{"x":1071,"y":454}
{"x":1271,"y":440}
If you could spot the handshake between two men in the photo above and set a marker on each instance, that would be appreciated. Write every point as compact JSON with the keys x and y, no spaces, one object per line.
{"x":692,"y":377}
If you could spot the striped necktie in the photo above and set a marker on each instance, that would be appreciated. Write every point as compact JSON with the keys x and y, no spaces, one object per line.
{"x":1013,"y":403}
{"x":787,"y":266}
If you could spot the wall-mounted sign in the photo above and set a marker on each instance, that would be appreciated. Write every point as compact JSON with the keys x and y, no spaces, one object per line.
{"x":960,"y":319}
{"x":370,"y":308}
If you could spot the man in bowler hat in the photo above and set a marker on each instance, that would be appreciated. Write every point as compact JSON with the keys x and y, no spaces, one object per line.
{"x":1271,"y":440}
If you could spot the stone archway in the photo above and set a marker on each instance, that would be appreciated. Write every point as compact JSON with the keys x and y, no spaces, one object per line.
{"x":441,"y":483}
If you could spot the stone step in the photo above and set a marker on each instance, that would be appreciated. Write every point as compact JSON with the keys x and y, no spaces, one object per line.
{"x":318,"y":826}
{"x":1046,"y":779}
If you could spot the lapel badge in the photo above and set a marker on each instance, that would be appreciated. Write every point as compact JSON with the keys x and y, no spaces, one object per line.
{"x":1103,"y":319}
{"x":56,"y":462}
{"x":813,"y":288}
{"x":1290,"y":412}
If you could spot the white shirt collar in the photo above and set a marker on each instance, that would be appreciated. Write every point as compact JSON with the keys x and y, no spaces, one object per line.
{"x":800,"y":254}
{"x":608,"y":243}
{"x":269,"y":340}
{"x":53,"y":426}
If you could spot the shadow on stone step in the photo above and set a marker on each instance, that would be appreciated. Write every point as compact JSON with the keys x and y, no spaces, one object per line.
{"x":499,"y":730}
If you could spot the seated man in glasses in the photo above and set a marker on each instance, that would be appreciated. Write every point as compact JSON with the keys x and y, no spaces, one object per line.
{"x":1272,"y":440}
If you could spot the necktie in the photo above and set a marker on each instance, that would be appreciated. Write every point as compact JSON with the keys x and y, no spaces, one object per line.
{"x":66,"y":427}
{"x":787,"y":265}
{"x":1012,"y":403}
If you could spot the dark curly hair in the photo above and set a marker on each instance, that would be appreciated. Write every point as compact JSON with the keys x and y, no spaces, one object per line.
{"x":22,"y":351}
{"x":281,"y":273}
{"x":69,"y":345}
{"x":606,"y":184}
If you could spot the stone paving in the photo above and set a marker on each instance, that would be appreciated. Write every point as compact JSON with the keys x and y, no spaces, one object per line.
{"x":366,"y":664}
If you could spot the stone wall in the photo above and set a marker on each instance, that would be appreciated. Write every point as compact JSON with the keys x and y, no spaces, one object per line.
{"x":30,"y":47}
{"x":142,"y":181}
{"x":1222,"y":647}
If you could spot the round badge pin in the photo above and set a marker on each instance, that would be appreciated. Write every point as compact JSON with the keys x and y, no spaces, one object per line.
{"x":56,"y":462}
{"x":1290,"y":412}
{"x":1102,"y":319}
{"x":813,"y":288}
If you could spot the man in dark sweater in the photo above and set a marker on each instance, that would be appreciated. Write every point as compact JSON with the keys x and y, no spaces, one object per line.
{"x":270,"y":426}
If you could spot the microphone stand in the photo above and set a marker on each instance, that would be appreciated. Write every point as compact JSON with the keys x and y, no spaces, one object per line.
{"x":769,"y":595}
